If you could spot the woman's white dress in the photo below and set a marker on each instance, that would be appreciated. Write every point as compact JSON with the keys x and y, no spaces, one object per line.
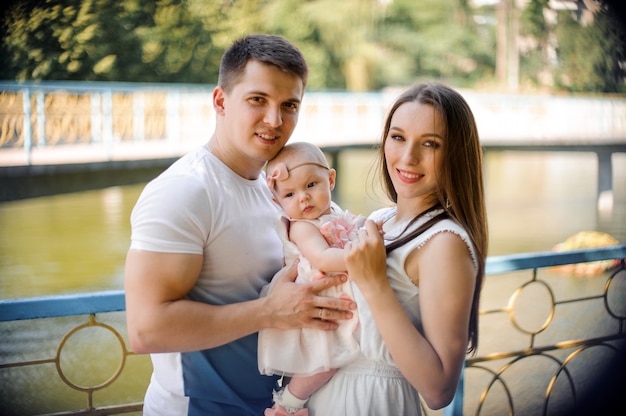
{"x":373,"y":385}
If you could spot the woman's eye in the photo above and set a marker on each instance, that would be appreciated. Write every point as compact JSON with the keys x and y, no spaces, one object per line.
{"x":396,"y":137}
{"x":431,"y":143}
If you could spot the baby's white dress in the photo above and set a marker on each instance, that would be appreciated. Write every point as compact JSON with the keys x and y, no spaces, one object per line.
{"x":308,"y":351}
{"x":372,"y":384}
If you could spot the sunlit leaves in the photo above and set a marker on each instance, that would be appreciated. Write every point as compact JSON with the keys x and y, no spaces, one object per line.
{"x":349,"y":44}
{"x":105,"y":64}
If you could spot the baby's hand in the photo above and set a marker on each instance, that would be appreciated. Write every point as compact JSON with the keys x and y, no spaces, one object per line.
{"x":379,"y":227}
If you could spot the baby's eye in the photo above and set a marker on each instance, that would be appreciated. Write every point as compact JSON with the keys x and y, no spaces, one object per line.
{"x":289,"y":195}
{"x":311,"y":184}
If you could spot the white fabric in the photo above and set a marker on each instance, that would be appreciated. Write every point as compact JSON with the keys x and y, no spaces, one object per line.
{"x":373,"y":385}
{"x":308,"y":351}
{"x":163,"y":401}
{"x":200,"y":206}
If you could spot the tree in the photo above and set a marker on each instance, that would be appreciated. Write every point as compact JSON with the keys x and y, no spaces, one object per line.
{"x":356,"y":45}
{"x":64,"y":40}
{"x":435,"y":39}
{"x":535,"y":50}
{"x":592,"y":57}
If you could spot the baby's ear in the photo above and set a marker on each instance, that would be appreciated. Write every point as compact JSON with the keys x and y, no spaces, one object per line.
{"x":332,"y":176}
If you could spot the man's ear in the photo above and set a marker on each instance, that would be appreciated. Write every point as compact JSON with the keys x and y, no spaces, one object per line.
{"x":332,"y":176}
{"x":218,"y":100}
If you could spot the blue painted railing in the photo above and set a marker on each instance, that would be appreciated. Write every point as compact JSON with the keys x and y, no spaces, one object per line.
{"x":62,"y":305}
{"x":113,"y":301}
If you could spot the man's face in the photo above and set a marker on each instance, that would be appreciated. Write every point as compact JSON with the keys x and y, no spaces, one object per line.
{"x":258,"y":116}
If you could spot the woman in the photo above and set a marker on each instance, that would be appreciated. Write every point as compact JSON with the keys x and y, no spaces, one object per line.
{"x":417,"y":287}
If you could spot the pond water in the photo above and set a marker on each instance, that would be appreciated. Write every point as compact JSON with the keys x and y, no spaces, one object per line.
{"x":76,"y":243}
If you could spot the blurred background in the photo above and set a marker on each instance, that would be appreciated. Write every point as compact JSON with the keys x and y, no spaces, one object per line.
{"x":353,"y":45}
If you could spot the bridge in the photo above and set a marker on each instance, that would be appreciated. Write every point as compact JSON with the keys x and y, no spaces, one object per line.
{"x":80,"y":128}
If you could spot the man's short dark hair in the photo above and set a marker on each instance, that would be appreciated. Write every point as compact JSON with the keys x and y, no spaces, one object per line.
{"x":268,"y":49}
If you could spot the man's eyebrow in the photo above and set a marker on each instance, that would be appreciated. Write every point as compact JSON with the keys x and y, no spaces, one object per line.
{"x":294,"y":100}
{"x":254,"y":92}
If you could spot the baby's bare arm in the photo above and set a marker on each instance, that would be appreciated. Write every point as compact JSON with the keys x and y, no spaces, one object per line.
{"x":315,"y":248}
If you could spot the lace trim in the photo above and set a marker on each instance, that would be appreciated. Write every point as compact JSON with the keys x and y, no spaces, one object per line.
{"x":461,"y":236}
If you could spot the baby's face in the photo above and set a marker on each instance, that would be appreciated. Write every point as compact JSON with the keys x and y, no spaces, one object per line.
{"x":306,"y":193}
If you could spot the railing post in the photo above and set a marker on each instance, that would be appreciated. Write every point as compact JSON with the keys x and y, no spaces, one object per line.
{"x":605,"y":181}
{"x":138,"y":117}
{"x":96,"y":117}
{"x":107,"y":122}
{"x":173,"y":117}
{"x":41,"y":119}
{"x":28,"y":136}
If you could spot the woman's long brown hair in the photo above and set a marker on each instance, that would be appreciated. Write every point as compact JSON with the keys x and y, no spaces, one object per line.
{"x":461,"y":191}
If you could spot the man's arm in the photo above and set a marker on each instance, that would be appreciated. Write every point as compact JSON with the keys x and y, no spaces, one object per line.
{"x":160,"y":319}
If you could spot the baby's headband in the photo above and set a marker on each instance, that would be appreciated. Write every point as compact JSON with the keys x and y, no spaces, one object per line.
{"x":281,"y":172}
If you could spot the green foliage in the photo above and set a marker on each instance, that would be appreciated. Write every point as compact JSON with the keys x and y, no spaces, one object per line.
{"x":533,"y":22}
{"x":350,"y":44}
{"x":434,"y":39}
{"x":535,"y":32}
{"x":591,"y":57}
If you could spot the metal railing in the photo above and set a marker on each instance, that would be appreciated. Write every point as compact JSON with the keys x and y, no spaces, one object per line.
{"x":39,"y":115}
{"x":58,"y":123}
{"x":492,"y":367}
{"x":530,"y":367}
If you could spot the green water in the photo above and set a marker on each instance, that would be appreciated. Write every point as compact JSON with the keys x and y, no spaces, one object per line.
{"x":77,"y":243}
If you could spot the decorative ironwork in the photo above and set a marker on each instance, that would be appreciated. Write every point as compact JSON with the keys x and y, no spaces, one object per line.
{"x":474,"y":396}
{"x":89,"y":390}
{"x":614,"y":341}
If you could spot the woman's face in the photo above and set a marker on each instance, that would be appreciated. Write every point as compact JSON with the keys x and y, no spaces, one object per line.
{"x":414,"y":151}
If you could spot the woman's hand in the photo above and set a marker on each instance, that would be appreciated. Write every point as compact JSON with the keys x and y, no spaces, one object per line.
{"x":366,"y":259}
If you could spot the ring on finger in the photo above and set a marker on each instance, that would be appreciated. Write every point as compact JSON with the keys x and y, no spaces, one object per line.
{"x":320,"y":312}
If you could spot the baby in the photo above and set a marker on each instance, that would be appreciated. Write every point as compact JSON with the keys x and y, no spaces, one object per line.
{"x":314,"y":230}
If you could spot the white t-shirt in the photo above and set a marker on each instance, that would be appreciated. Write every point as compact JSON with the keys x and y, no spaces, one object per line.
{"x":200,"y":206}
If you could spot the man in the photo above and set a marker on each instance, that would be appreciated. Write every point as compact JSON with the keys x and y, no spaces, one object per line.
{"x":204,"y":244}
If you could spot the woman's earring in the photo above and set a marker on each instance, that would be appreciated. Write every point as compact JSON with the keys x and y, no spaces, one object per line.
{"x":447,"y":203}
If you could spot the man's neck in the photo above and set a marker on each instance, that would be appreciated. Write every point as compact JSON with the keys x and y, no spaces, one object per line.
{"x":247,"y":170}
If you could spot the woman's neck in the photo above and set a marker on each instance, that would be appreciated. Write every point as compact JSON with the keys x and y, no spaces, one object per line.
{"x":406,"y":212}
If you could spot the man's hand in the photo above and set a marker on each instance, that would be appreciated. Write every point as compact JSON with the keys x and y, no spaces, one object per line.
{"x":298,"y":305}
